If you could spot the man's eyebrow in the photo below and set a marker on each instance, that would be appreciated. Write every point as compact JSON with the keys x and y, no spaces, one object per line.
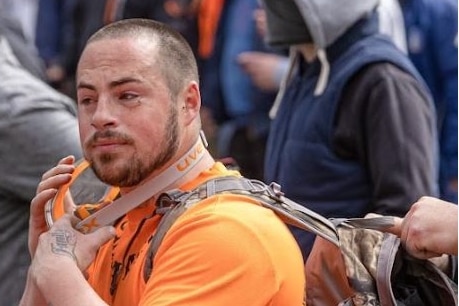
{"x":123,"y":81}
{"x":83,"y":85}
{"x":112,"y":84}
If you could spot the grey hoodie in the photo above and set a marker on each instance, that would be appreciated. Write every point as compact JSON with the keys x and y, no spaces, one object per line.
{"x":38,"y":126}
{"x":326,"y":21}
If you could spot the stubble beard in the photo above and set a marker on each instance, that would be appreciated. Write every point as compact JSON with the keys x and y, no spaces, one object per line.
{"x":134,"y":170}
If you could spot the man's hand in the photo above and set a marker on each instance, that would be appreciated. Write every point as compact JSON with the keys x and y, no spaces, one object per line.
{"x":63,"y":245}
{"x":266,"y":70}
{"x":61,"y":256}
{"x":46,"y":190}
{"x":429,"y":229}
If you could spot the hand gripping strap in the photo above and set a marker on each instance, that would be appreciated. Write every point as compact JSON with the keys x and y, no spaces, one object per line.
{"x":376,"y":223}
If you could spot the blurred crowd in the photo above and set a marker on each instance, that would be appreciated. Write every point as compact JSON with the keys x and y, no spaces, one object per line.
{"x":241,"y":76}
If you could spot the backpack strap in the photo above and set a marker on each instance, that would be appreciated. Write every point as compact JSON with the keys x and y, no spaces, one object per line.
{"x":174,"y":203}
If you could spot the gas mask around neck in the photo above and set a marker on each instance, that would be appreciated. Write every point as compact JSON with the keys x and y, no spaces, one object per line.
{"x":285,"y":24}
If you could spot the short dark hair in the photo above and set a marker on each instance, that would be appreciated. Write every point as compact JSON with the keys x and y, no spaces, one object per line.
{"x":176,"y":60}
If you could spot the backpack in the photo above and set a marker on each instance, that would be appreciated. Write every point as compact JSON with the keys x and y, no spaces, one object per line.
{"x":351,"y":262}
{"x":371,"y":267}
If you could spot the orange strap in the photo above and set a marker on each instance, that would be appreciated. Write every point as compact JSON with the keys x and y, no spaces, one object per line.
{"x":208,"y":19}
{"x":57,"y":207}
{"x":58,"y":210}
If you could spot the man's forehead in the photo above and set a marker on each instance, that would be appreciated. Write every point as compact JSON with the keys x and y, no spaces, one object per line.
{"x":112,"y":53}
{"x":128,"y":42}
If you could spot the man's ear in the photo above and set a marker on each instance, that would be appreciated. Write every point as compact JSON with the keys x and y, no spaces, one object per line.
{"x":191,"y":103}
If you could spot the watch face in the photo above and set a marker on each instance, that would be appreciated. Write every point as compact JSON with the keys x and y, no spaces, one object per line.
{"x":81,"y":195}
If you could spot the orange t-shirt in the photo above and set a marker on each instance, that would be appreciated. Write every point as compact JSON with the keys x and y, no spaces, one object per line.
{"x":221,"y":251}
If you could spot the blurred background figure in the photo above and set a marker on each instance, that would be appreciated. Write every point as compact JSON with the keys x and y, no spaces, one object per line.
{"x":25,"y":13}
{"x":354,"y":128}
{"x":430,"y":40}
{"x":63,"y":26}
{"x":22,"y":49}
{"x":237,"y":107}
{"x":37,"y":127}
{"x":431,"y":30}
{"x":179,"y":14}
{"x":267,"y":69}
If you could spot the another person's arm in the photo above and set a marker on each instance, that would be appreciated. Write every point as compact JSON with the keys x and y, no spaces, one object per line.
{"x":387,"y":123}
{"x":429,"y":229}
{"x":266,"y":70}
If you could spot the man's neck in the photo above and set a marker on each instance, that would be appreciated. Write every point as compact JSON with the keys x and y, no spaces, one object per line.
{"x":308,"y":51}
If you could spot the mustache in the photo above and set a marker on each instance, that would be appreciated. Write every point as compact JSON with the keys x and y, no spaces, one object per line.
{"x":108,"y":134}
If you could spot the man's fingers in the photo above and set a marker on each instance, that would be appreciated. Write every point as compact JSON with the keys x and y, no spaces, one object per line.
{"x":58,"y":174}
{"x":396,"y":229}
{"x":69,"y":160}
{"x":38,"y":203}
{"x":102,"y":235}
{"x":92,"y":243}
{"x":69,"y":204}
{"x":54,"y":181}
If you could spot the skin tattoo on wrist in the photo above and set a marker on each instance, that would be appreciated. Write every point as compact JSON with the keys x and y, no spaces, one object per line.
{"x":64,"y":243}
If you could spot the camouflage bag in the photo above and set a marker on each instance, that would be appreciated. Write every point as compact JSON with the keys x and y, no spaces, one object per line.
{"x":371,"y":268}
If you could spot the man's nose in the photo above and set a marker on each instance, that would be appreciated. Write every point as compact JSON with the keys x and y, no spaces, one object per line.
{"x":104,"y":114}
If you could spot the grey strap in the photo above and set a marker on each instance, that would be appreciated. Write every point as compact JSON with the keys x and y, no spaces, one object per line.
{"x":384,"y":267}
{"x":377,"y":223}
{"x":269,"y":197}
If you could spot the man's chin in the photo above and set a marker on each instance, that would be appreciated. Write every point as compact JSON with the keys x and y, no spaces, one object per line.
{"x":108,"y":169}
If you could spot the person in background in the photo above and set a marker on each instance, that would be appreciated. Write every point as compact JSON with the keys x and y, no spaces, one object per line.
{"x":138,"y":111}
{"x":38,"y":125}
{"x":267,"y":69}
{"x":238,"y":108}
{"x":22,"y":49}
{"x":431,"y":30}
{"x":179,"y":14}
{"x":354,"y":127}
{"x":76,"y":20}
{"x":25,"y":13}
{"x":53,"y":38}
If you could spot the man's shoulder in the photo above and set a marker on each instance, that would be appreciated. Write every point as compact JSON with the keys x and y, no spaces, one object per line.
{"x":232,"y":208}
{"x":221,"y":218}
{"x":228,"y":211}
{"x":217,"y":170}
{"x":376,"y":72}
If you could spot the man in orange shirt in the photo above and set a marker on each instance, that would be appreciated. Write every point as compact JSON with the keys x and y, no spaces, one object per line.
{"x":138,"y":111}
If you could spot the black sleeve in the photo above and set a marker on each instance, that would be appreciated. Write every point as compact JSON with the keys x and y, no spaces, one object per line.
{"x":386,"y":122}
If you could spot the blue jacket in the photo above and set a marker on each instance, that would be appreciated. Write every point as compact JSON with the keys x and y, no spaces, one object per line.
{"x":431,"y":29}
{"x":300,"y":154}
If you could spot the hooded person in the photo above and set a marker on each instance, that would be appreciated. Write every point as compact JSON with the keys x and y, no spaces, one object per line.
{"x":353,"y":127}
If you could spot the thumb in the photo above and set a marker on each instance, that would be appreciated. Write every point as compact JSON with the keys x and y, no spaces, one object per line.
{"x":90,"y":244}
{"x":102,"y":235}
{"x":396,"y":229}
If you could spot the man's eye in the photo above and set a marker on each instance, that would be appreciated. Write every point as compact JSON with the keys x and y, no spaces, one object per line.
{"x":85,"y":101}
{"x":128,"y":96}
